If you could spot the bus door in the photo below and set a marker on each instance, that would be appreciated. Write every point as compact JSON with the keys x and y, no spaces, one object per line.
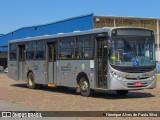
{"x":21,"y":62}
{"x":102,"y":68}
{"x":51,"y":62}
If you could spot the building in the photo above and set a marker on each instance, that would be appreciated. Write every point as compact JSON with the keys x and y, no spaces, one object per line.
{"x":79,"y":23}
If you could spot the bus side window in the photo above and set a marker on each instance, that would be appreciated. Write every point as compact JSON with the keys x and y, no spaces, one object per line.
{"x":21,"y":52}
{"x":40,"y":50}
{"x":84,"y":47}
{"x":30,"y":50}
{"x":13,"y":52}
{"x":66,"y":48}
{"x":50,"y":52}
{"x":77,"y":54}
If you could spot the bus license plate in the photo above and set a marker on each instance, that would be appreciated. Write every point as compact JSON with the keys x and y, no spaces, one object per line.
{"x":137,"y":83}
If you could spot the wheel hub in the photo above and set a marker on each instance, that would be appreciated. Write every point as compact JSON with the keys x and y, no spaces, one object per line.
{"x":84,"y":86}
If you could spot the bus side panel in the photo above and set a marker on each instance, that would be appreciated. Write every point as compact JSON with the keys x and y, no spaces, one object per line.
{"x":13,"y":70}
{"x":69,"y":69}
{"x":55,"y":72}
{"x":66,"y":73}
{"x":51,"y":72}
{"x":21,"y":69}
{"x":39,"y":70}
{"x":25,"y":78}
{"x":87,"y":67}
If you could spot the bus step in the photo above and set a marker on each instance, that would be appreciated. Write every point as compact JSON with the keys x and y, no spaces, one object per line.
{"x":51,"y":85}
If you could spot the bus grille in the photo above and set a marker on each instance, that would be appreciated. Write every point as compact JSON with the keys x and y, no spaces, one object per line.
{"x":134,"y":69}
{"x":137,"y":79}
{"x":131,"y":85}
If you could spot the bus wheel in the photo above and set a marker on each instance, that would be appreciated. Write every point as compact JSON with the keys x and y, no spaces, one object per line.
{"x":31,"y":83}
{"x":85,"y":87}
{"x":122,"y":92}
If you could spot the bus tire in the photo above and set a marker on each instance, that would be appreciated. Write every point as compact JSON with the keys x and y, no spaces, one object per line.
{"x":122,"y":92}
{"x":31,"y":82}
{"x":85,"y":87}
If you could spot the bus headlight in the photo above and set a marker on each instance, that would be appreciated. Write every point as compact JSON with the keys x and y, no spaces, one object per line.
{"x":154,"y":76}
{"x":115,"y":75}
{"x":120,"y":78}
{"x":150,"y":78}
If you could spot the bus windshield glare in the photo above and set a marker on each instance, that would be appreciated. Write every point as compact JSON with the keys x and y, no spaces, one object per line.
{"x":132,"y":52}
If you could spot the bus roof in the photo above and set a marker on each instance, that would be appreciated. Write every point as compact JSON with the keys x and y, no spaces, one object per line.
{"x":74,"y":33}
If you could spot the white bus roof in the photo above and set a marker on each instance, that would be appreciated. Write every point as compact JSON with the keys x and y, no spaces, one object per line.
{"x":92,"y":31}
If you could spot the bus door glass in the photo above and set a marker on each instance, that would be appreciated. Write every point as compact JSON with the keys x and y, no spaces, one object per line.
{"x":51,"y":62}
{"x":102,"y":56}
{"x":21,"y":61}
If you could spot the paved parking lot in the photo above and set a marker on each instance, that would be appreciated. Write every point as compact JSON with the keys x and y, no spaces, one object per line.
{"x":64,"y":99}
{"x":11,"y":106}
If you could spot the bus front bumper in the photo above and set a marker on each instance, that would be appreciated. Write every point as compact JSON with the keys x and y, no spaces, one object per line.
{"x":125,"y":84}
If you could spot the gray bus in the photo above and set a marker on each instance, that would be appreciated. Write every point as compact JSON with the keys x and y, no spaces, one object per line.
{"x":110,"y":58}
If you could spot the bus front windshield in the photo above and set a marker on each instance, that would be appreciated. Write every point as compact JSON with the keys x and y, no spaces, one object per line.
{"x":132,"y":52}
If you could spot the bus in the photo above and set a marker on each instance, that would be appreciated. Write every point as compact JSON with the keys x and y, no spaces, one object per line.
{"x":111,"y":58}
